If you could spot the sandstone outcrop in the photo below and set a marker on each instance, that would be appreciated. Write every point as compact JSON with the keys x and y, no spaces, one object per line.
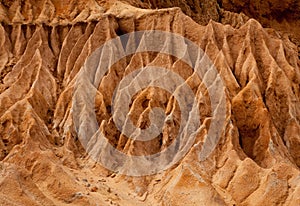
{"x":256,"y":161}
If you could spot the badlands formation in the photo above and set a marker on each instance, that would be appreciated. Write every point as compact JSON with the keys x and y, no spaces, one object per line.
{"x":45,"y":48}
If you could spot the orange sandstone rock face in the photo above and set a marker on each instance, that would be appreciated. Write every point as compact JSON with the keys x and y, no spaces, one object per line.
{"x":44,"y":45}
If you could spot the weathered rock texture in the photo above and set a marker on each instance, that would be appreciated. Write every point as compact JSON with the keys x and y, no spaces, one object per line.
{"x":282,"y":15}
{"x":43,"y":46}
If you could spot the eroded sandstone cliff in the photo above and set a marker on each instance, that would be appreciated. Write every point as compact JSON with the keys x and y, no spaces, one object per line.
{"x":44,"y":46}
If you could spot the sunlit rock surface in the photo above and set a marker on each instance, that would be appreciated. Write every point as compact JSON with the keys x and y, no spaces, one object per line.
{"x":44,"y":46}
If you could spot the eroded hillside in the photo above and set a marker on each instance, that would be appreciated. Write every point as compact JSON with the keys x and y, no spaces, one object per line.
{"x":44,"y":45}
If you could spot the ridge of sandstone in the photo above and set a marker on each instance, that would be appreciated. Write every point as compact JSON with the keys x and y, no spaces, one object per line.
{"x":42,"y":161}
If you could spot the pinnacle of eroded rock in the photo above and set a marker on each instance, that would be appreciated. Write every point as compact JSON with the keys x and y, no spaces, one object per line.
{"x":53,"y":92}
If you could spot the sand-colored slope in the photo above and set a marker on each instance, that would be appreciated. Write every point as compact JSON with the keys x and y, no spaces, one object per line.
{"x":256,"y":161}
